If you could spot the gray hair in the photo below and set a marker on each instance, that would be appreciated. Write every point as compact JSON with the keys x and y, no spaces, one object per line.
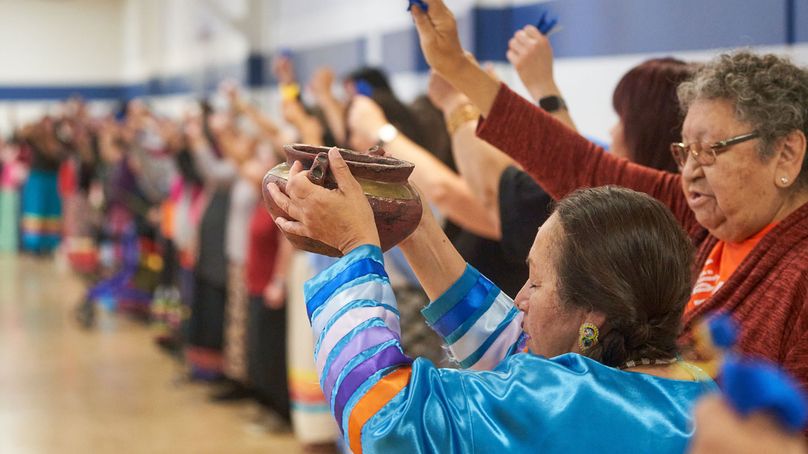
{"x":768,"y":91}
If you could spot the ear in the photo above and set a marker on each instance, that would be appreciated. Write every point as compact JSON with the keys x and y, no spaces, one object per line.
{"x":790,"y":158}
{"x":597,"y":318}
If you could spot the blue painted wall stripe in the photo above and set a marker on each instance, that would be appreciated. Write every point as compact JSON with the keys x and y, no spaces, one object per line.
{"x":800,"y":21}
{"x":590,"y":28}
{"x":597,"y":28}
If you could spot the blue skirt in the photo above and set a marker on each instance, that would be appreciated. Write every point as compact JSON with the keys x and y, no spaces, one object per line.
{"x":41,"y":212}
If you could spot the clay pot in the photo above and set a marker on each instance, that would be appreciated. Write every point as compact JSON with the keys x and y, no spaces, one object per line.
{"x":396,"y":205}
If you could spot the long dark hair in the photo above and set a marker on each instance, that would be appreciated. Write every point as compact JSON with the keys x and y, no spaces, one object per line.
{"x":623,"y":254}
{"x":646,"y":101}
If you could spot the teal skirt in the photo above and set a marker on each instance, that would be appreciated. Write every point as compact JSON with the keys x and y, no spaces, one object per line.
{"x":9,"y":220}
{"x":41,"y":212}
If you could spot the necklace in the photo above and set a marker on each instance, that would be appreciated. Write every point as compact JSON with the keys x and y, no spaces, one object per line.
{"x":647,"y":362}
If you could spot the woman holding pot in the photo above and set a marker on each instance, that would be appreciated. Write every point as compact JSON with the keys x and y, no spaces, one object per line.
{"x":606,"y":318}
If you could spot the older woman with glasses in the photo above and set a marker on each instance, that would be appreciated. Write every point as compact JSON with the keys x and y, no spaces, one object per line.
{"x":742,"y":194}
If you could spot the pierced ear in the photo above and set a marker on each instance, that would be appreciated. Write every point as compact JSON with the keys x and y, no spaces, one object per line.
{"x":790,"y":159}
{"x":595,"y":317}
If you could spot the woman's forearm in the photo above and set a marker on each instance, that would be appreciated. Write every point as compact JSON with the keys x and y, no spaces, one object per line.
{"x":444,"y":188}
{"x":334,"y":113}
{"x":264,"y":123}
{"x":215,"y":171}
{"x":470,"y":79}
{"x":455,"y":199}
{"x":480,"y":162}
{"x":433,"y":258}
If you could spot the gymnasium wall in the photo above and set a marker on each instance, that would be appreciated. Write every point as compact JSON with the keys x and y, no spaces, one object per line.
{"x":173,"y":51}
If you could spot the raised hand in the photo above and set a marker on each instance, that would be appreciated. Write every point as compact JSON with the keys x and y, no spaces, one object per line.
{"x":229,"y":89}
{"x":283,"y":69}
{"x":321,"y":82}
{"x":365,"y":118}
{"x":440,"y":41}
{"x":341,"y":217}
{"x":437,"y":31}
{"x":531,"y":54}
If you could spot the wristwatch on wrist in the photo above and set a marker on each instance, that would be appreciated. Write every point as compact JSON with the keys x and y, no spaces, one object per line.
{"x":386,"y":134}
{"x":552,"y":103}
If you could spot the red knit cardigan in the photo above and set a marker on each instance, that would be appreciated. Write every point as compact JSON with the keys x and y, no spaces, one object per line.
{"x":767,"y":294}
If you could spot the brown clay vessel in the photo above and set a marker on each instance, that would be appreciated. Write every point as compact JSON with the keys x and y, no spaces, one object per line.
{"x":396,"y":205}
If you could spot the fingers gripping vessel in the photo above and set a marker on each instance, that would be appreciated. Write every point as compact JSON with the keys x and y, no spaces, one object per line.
{"x":396,"y":205}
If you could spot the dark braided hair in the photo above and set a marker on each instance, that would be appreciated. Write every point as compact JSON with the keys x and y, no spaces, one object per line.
{"x":623,"y":254}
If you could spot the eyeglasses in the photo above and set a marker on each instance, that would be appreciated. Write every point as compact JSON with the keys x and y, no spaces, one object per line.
{"x":704,"y":153}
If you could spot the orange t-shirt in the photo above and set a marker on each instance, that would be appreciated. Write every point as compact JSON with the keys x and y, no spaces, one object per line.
{"x":724,"y":259}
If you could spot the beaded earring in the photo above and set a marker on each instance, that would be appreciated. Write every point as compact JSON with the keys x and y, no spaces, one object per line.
{"x":587,"y":336}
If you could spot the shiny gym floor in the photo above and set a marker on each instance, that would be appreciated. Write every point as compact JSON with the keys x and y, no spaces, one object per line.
{"x":104,"y":390}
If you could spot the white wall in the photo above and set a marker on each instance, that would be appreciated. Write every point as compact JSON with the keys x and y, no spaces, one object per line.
{"x":61,"y":42}
{"x":298,"y":23}
{"x":70,"y":42}
{"x":113,"y":42}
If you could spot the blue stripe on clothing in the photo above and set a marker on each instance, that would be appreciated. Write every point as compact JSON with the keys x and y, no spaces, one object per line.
{"x":330,"y":280}
{"x":484,"y":307}
{"x":500,"y":310}
{"x":367,"y":324}
{"x":371,"y":286}
{"x":335,"y":267}
{"x":474,"y":357}
{"x":320,"y":327}
{"x":356,"y":361}
{"x":435,"y":310}
{"x":326,"y":334}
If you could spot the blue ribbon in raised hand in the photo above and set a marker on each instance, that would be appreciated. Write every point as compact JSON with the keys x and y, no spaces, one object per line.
{"x":546,"y":23}
{"x":420,"y":4}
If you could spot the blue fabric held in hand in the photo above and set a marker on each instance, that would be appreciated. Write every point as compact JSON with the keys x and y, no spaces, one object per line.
{"x":723,"y":331}
{"x":420,"y":4}
{"x":755,"y":385}
{"x":546,"y":23}
{"x":363,"y":88}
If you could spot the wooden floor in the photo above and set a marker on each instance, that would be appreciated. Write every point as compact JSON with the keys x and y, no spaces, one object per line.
{"x":107,"y":390}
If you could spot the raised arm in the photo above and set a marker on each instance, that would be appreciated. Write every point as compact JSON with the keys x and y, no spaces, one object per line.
{"x":450,"y":193}
{"x":478,"y":162}
{"x":215,"y":171}
{"x":529,"y":51}
{"x":479,"y":323}
{"x":333,"y":109}
{"x":558,"y":158}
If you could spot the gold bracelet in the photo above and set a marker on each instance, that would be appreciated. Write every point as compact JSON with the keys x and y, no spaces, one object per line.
{"x":461,"y":115}
{"x":289,"y":92}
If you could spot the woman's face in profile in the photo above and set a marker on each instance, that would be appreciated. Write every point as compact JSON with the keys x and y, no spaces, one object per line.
{"x":737,"y":195}
{"x":552,"y":327}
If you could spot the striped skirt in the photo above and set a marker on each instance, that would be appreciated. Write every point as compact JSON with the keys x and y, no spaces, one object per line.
{"x":41,"y":213}
{"x":311,"y":417}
